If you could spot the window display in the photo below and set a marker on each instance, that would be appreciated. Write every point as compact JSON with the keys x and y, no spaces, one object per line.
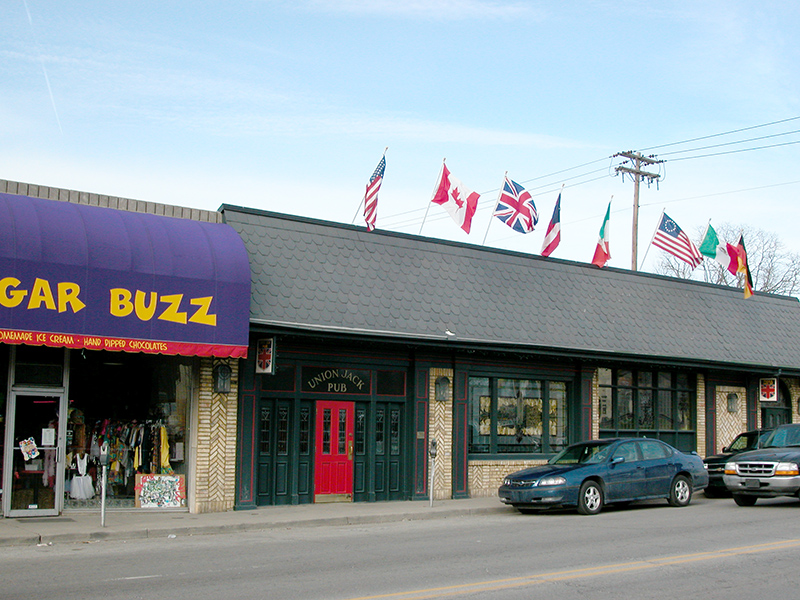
{"x":517,"y":416}
{"x":135,"y":408}
{"x":648,"y":404}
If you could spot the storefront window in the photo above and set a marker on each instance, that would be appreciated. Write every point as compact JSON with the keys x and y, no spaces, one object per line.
{"x":659,"y":404}
{"x":379,"y":431}
{"x":3,"y":409}
{"x":517,"y":416}
{"x":39,"y":366}
{"x":361,"y":431}
{"x":558,"y":414}
{"x":266,"y":429}
{"x":395,"y":433}
{"x":305,"y":431}
{"x":134,"y":405}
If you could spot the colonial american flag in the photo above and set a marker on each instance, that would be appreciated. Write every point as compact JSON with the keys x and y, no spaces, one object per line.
{"x":515,"y":207}
{"x":371,"y":195}
{"x":670,"y":237}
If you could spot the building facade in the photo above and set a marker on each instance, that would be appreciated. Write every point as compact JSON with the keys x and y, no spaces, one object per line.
{"x":369,"y":349}
{"x":241,"y":358}
{"x":121,"y":327}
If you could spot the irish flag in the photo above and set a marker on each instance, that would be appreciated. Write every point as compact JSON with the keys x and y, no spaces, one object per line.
{"x":603,"y":252}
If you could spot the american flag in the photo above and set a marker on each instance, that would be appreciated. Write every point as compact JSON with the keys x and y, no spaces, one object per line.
{"x":515,"y":207}
{"x":670,"y":237}
{"x":371,"y":195}
{"x":553,"y":236}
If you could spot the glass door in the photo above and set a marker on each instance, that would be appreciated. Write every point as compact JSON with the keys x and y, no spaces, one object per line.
{"x":34,"y":474}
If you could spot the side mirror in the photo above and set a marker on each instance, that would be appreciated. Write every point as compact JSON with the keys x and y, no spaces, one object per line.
{"x":726,"y":449}
{"x":617,"y":459}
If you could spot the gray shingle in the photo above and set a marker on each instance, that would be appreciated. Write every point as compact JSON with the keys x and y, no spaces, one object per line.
{"x":325,"y":276}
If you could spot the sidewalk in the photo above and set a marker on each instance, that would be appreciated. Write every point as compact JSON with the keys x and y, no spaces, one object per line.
{"x":84,"y":526}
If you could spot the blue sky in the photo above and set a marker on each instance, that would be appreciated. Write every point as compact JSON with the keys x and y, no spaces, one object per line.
{"x":288,"y":105}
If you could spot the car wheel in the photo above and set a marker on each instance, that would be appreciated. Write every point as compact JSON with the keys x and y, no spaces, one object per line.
{"x":680,"y":492}
{"x":590,"y":498}
{"x":742,"y":500}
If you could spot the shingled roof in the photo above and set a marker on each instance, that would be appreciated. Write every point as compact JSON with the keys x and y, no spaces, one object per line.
{"x":327,"y":277}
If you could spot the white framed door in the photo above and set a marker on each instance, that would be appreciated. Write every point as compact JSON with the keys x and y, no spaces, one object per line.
{"x":33,"y":473}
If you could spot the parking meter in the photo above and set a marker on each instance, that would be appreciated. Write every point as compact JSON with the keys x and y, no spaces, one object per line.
{"x":104,"y":464}
{"x":432,"y":449}
{"x":104,"y":454}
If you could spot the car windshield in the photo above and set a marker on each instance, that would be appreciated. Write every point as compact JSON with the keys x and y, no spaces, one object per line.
{"x":744,"y":441}
{"x":784,"y":436}
{"x":581,"y":454}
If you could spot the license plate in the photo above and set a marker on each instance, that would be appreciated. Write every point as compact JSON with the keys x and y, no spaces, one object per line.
{"x":752,"y":483}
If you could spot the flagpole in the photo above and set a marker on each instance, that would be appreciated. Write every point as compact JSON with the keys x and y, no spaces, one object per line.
{"x":491,"y":218}
{"x":663,"y":210}
{"x":705,"y":231}
{"x":358,"y":210}
{"x":438,"y":180}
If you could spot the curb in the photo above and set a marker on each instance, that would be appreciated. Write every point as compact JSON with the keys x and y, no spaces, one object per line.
{"x":97,"y":535}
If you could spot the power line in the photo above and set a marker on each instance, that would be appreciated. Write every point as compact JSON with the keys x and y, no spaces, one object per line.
{"x":763,"y":137}
{"x":736,"y":151}
{"x":553,"y":187}
{"x":565,"y":170}
{"x":752,"y":189}
{"x":706,"y":137}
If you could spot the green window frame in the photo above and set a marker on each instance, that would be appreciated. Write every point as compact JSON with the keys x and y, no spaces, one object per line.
{"x":509,"y":416}
{"x":646,"y":402}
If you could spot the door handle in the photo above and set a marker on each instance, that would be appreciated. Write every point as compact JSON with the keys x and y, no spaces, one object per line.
{"x":350,"y":450}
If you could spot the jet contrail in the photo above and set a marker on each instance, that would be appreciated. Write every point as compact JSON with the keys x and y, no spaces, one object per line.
{"x":44,"y":69}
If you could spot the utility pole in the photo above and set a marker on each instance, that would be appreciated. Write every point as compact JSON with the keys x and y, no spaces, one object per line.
{"x":637,"y":173}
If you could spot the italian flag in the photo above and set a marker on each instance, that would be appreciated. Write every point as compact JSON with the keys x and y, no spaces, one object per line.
{"x":728,"y":255}
{"x":603,"y":252}
{"x":733,"y":258}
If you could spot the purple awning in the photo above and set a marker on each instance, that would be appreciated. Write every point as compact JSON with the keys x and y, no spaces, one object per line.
{"x":98,"y":278}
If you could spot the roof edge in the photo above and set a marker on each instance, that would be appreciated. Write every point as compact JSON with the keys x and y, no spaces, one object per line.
{"x":470,"y":343}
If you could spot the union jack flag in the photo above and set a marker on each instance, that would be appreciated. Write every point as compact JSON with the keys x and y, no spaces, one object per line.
{"x":767,"y":389}
{"x":264,"y":356}
{"x":515,"y":207}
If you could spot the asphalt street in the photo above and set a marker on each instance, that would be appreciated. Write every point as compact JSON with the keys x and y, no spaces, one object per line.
{"x":712,"y":549}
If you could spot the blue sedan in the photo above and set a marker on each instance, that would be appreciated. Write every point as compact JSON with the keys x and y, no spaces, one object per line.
{"x":590,"y":474}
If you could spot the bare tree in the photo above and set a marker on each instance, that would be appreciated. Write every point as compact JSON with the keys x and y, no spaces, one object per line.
{"x":773,"y":269}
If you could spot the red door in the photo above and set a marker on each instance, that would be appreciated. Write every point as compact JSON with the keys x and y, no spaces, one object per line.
{"x":333,"y":457}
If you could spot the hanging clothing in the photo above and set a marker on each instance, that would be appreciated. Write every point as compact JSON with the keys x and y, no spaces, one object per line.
{"x":166,"y":468}
{"x":49,"y":472}
{"x":81,"y":486}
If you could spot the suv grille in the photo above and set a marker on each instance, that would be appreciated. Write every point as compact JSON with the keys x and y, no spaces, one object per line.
{"x":756,"y":469}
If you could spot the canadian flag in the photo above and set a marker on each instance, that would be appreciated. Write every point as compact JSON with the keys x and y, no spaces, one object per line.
{"x":457,"y":199}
